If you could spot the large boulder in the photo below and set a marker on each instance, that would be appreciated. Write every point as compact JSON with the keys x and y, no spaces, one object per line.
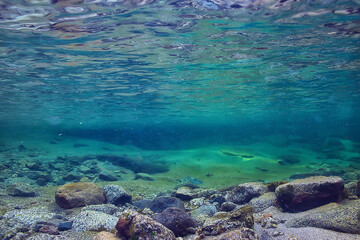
{"x":243,"y":193}
{"x":343,"y":218}
{"x":307,"y":193}
{"x":133,"y":225}
{"x":79,"y":194}
{"x":176,"y":220}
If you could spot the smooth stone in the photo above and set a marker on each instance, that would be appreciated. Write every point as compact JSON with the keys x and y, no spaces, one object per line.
{"x":307,"y":193}
{"x":133,"y":225}
{"x":227,"y":206}
{"x":116,"y":195}
{"x":65,"y":226}
{"x":343,"y":218}
{"x":243,"y":193}
{"x":176,"y":220}
{"x":208,"y":210}
{"x":79,"y":194}
{"x":159,"y":204}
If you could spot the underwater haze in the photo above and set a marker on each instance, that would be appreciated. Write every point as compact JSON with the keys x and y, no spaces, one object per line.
{"x":215,"y":92}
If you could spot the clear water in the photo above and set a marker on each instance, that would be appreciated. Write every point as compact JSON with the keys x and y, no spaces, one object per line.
{"x":207,"y":88}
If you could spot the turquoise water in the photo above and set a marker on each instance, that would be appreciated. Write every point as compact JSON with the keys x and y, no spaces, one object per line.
{"x":250,"y":90}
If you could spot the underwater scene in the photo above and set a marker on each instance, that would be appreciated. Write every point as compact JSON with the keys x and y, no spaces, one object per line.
{"x":180,"y":119}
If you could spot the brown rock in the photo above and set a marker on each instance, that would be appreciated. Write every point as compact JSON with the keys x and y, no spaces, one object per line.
{"x":133,"y":225}
{"x":79,"y":194}
{"x":311,"y":192}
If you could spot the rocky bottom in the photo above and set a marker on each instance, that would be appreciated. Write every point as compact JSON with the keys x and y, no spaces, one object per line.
{"x":310,"y":208}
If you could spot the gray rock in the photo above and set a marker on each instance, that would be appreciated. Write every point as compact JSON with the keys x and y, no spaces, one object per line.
{"x":227,"y":206}
{"x":21,"y":190}
{"x":343,"y":218}
{"x":208,"y":210}
{"x":93,"y":221}
{"x":144,"y":176}
{"x":353,"y":188}
{"x":264,"y":201}
{"x":243,"y":193}
{"x":307,"y":193}
{"x":228,"y":221}
{"x":133,"y":225}
{"x":105,"y":208}
{"x":175,"y":219}
{"x":29,"y":217}
{"x":116,"y":195}
{"x":159,"y":204}
{"x":186,"y":193}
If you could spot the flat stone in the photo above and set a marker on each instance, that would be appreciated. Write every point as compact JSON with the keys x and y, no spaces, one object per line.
{"x":79,"y":194}
{"x":105,"y":236}
{"x":242,"y":234}
{"x":343,"y":218}
{"x":307,"y":193}
{"x":29,"y":217}
{"x":93,"y":221}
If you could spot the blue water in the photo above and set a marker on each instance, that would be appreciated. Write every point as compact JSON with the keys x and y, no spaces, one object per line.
{"x":181,"y":75}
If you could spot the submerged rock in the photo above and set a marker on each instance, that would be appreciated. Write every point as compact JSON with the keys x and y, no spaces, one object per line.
{"x":185,"y":193}
{"x":243,"y":193}
{"x":304,"y":194}
{"x":29,"y":217}
{"x":105,"y":208}
{"x":264,"y":201}
{"x":343,"y":218}
{"x":242,"y":234}
{"x":133,"y":225}
{"x":144,"y":176}
{"x":93,"y":221}
{"x":21,"y":190}
{"x":116,"y":195}
{"x":159,"y":204}
{"x":227,"y":221}
{"x":79,"y":194}
{"x":176,"y":220}
{"x":134,"y":164}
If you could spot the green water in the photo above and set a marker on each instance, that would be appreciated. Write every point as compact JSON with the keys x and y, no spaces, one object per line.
{"x":221,"y":91}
